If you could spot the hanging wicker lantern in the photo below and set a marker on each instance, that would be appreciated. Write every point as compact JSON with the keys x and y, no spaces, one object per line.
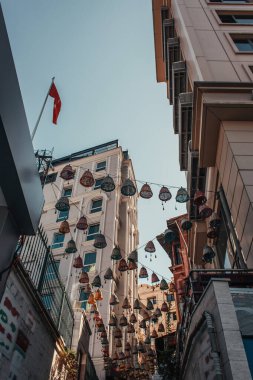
{"x":103,"y":334}
{"x":205,"y":211}
{"x":186,"y":224}
{"x":164,"y":194}
{"x":78,"y":262}
{"x":82,"y":224}
{"x":161,"y":327}
{"x":71,"y":247}
{"x":126,"y":304}
{"x":143,"y":324}
{"x":140,"y":347}
{"x":137,"y":305}
{"x":182,"y":195}
{"x":154,"y":318}
{"x":108,"y":274}
{"x":67,"y":173}
{"x":154,"y":334}
{"x":62,"y":204}
{"x":133,"y":256}
{"x":150,"y":305}
{"x":127,"y":346}
{"x":150,"y":247}
{"x":91,"y":299}
{"x":164,"y":307}
{"x":123,"y":321}
{"x":163,"y":284}
{"x":117,"y":333}
{"x":199,"y":198}
{"x":215,"y":220}
{"x":212,"y":233}
{"x":113,"y":300}
{"x":147,"y":340}
{"x":98,"y":295}
{"x":84,"y":278}
{"x":113,"y":321}
{"x":143,"y":273}
{"x":132,"y":265}
{"x":146,"y":191}
{"x":116,"y":253}
{"x":133,"y":318}
{"x":115,"y":356}
{"x":118,"y":343}
{"x":145,"y":316}
{"x":208,"y":254}
{"x":169,"y":236}
{"x":158,"y":312}
{"x":130,"y":329}
{"x":150,"y":353}
{"x":87,"y":179}
{"x":121,"y":356}
{"x":134,"y":349}
{"x":101,"y":328}
{"x":64,"y":227}
{"x":122,"y":267}
{"x":107,"y":184}
{"x":154,"y":278}
{"x":100,"y":241}
{"x":96,"y":282}
{"x":128,"y":189}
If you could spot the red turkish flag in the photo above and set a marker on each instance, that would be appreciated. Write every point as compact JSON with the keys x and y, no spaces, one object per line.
{"x":57,"y":102}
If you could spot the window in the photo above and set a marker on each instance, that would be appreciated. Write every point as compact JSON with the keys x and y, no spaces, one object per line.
{"x":83,"y":298}
{"x":67,"y":192}
{"x":98,"y":183}
{"x":89,"y":262}
{"x":173,"y":317}
{"x":153,"y":300}
{"x":170,"y":297}
{"x":96,"y":206}
{"x":62,"y":215}
{"x":51,"y":178}
{"x":244,"y":44}
{"x":177,"y":256}
{"x":52,"y":270}
{"x":236,"y":19}
{"x":93,"y":230}
{"x":47,"y":300}
{"x":58,"y":240}
{"x":101,"y":166}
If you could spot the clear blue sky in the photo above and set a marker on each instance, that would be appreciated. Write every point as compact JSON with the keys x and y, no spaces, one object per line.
{"x":102,"y":55}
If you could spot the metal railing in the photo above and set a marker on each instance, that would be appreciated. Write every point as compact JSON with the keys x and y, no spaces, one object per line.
{"x":38,"y":262}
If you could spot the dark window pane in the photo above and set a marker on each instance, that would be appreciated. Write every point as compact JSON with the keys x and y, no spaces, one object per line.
{"x":101,"y":166}
{"x":96,"y":206}
{"x":62,"y":215}
{"x":58,"y":240}
{"x":67,"y":192}
{"x":170,"y":297}
{"x":98,"y":183}
{"x":92,"y":231}
{"x":227,"y":19}
{"x":89,"y":258}
{"x":244,"y":45}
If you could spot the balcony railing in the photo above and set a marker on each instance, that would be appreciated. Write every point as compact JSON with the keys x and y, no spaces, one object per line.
{"x":38,"y":263}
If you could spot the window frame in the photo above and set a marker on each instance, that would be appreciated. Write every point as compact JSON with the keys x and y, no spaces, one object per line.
{"x":170,"y":297}
{"x":98,"y":187}
{"x":84,"y":303}
{"x":152,"y":299}
{"x":96,"y":209}
{"x":64,"y":216}
{"x":99,"y":169}
{"x":93,"y":236}
{"x":236,"y":2}
{"x":59,"y":244}
{"x":65,"y":189}
{"x":92,"y":265}
{"x":234,"y":16}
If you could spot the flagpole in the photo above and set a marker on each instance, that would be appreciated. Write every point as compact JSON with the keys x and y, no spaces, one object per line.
{"x":42,"y":109}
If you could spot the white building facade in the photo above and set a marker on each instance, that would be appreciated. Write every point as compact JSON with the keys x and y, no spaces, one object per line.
{"x":108,"y":213}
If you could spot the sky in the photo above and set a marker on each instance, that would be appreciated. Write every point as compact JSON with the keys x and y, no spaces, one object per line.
{"x":101,"y":53}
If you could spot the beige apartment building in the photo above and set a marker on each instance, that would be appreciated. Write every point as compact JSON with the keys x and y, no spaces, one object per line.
{"x":108,"y":213}
{"x":204,"y":55}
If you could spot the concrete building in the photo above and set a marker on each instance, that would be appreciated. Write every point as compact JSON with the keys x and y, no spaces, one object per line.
{"x":110,"y":213}
{"x":158,"y":297}
{"x":204,"y":55}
